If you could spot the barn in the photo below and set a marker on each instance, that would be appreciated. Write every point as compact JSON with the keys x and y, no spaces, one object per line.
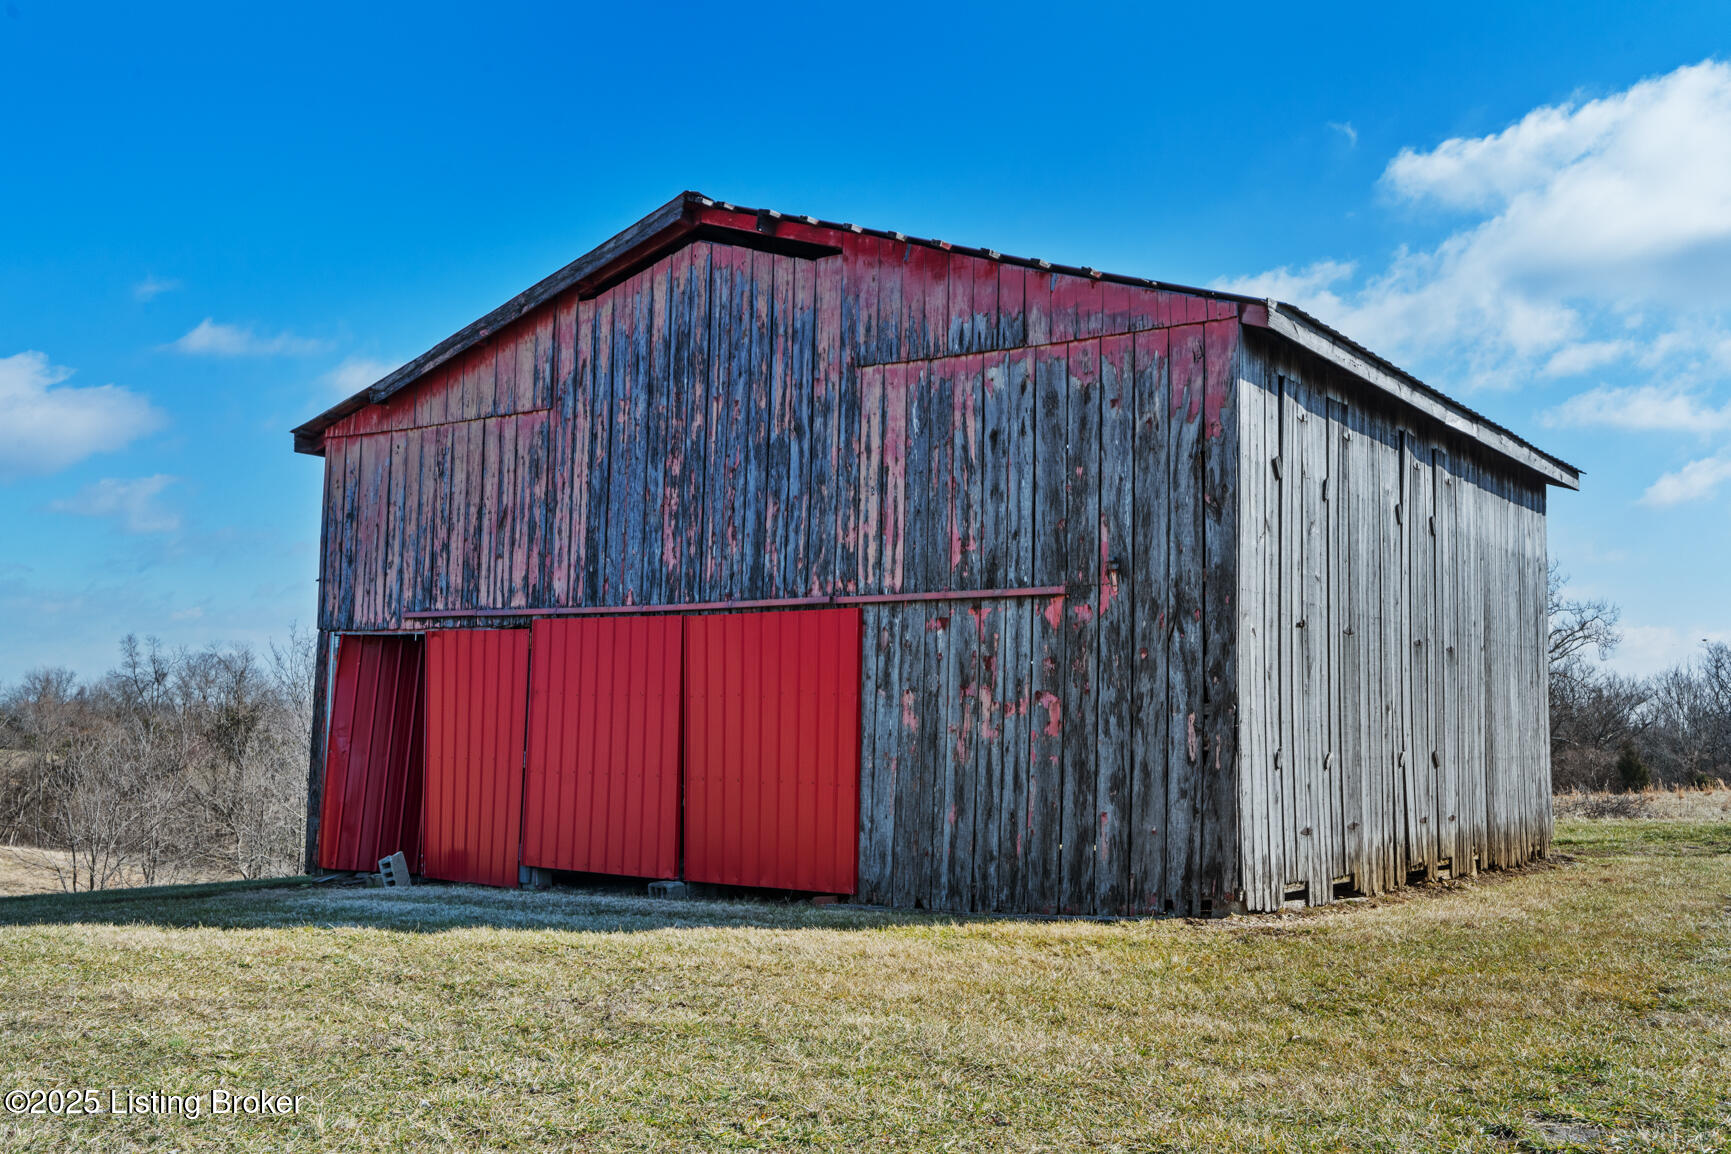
{"x":760,"y":550}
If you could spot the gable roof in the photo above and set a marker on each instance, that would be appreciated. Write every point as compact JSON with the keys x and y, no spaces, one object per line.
{"x":691,"y":215}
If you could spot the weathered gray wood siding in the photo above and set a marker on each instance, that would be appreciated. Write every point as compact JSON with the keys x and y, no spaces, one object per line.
{"x":895,"y":420}
{"x":1072,"y":753}
{"x":1392,"y":688}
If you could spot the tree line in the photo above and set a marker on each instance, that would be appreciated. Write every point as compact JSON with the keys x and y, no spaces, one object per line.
{"x":188,"y":763}
{"x":177,"y":764}
{"x":1611,"y":731}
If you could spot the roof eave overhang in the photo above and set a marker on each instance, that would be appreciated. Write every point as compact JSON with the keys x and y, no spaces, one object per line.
{"x":1312,"y":335}
{"x":663,"y":228}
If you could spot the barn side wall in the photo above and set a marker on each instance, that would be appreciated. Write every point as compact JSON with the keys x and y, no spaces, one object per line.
{"x":893,"y":421}
{"x":1392,"y":638}
{"x":1070,"y":753}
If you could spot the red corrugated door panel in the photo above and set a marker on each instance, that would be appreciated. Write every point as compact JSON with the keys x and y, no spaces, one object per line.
{"x":477,"y":699}
{"x":772,"y":749}
{"x":602,"y":793}
{"x":371,"y":804}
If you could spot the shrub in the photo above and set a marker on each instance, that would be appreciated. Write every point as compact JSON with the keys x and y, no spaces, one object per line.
{"x":1632,"y":773}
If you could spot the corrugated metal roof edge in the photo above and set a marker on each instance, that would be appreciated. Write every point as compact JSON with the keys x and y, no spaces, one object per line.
{"x":643,"y":240}
{"x":1301,"y":328}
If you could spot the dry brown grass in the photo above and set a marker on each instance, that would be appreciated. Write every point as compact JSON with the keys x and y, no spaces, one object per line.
{"x":1580,"y":1004}
{"x":1648,"y":805}
{"x":28,"y":870}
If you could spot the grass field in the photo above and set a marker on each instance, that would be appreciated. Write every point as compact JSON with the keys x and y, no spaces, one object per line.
{"x":1585,"y":1004}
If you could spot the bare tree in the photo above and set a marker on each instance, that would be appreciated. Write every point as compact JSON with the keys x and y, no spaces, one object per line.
{"x":1578,"y":627}
{"x":1593,"y":712}
{"x":176,"y":762}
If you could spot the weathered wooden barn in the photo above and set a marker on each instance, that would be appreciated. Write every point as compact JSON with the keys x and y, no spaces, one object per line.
{"x":761,"y":550}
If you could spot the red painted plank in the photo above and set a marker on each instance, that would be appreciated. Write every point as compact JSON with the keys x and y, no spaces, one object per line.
{"x":959,"y":318}
{"x":538,"y":384}
{"x":477,"y":694}
{"x":528,"y":505}
{"x":506,"y":348}
{"x":1115,"y":304}
{"x":892,"y":274}
{"x":967,"y":483}
{"x":934,"y":267}
{"x":772,"y":749}
{"x":833,"y":543}
{"x":1069,"y":294}
{"x":895,"y":497}
{"x":330,"y":546}
{"x":1037,"y":306}
{"x":862,"y":255}
{"x":870,"y":478}
{"x":1012,"y":314}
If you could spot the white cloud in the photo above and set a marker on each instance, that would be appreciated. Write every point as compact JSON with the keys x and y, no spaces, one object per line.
{"x":1643,"y":408}
{"x":1693,"y":482}
{"x":356,"y":373}
{"x":150,"y":288}
{"x":1573,"y":360}
{"x":45,"y":426}
{"x":211,"y":339}
{"x":1345,"y":128}
{"x":1608,"y":216}
{"x":1313,"y":286}
{"x":1649,"y":649}
{"x":131,"y":504}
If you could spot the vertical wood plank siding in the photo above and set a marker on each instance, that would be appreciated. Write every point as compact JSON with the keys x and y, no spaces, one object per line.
{"x":1390,"y":657}
{"x":729,"y":423}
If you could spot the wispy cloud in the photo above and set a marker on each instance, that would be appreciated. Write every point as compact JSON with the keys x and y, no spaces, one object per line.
{"x":1643,"y":408}
{"x":1590,"y":237}
{"x":1316,"y":286}
{"x":1345,"y":128}
{"x":46,"y":426}
{"x":1649,"y":649}
{"x":133,"y":505}
{"x":355,"y":374}
{"x":210,"y":339}
{"x":151,"y":287}
{"x":1695,"y":481}
{"x":1611,"y":216}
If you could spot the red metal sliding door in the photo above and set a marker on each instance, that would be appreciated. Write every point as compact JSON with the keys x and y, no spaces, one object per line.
{"x":772,"y":749}
{"x":371,"y":804}
{"x":477,"y":696}
{"x":602,"y":794}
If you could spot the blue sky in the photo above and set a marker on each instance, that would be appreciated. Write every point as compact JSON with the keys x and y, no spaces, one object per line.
{"x":217,"y":221}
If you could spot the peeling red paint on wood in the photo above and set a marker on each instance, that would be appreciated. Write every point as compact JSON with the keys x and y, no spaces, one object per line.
{"x":1054,"y":612}
{"x":725,"y":426}
{"x":1054,"y":708}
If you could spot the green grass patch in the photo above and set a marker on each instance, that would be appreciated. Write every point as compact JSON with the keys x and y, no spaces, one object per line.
{"x":1570,"y":1006}
{"x":74,"y":907}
